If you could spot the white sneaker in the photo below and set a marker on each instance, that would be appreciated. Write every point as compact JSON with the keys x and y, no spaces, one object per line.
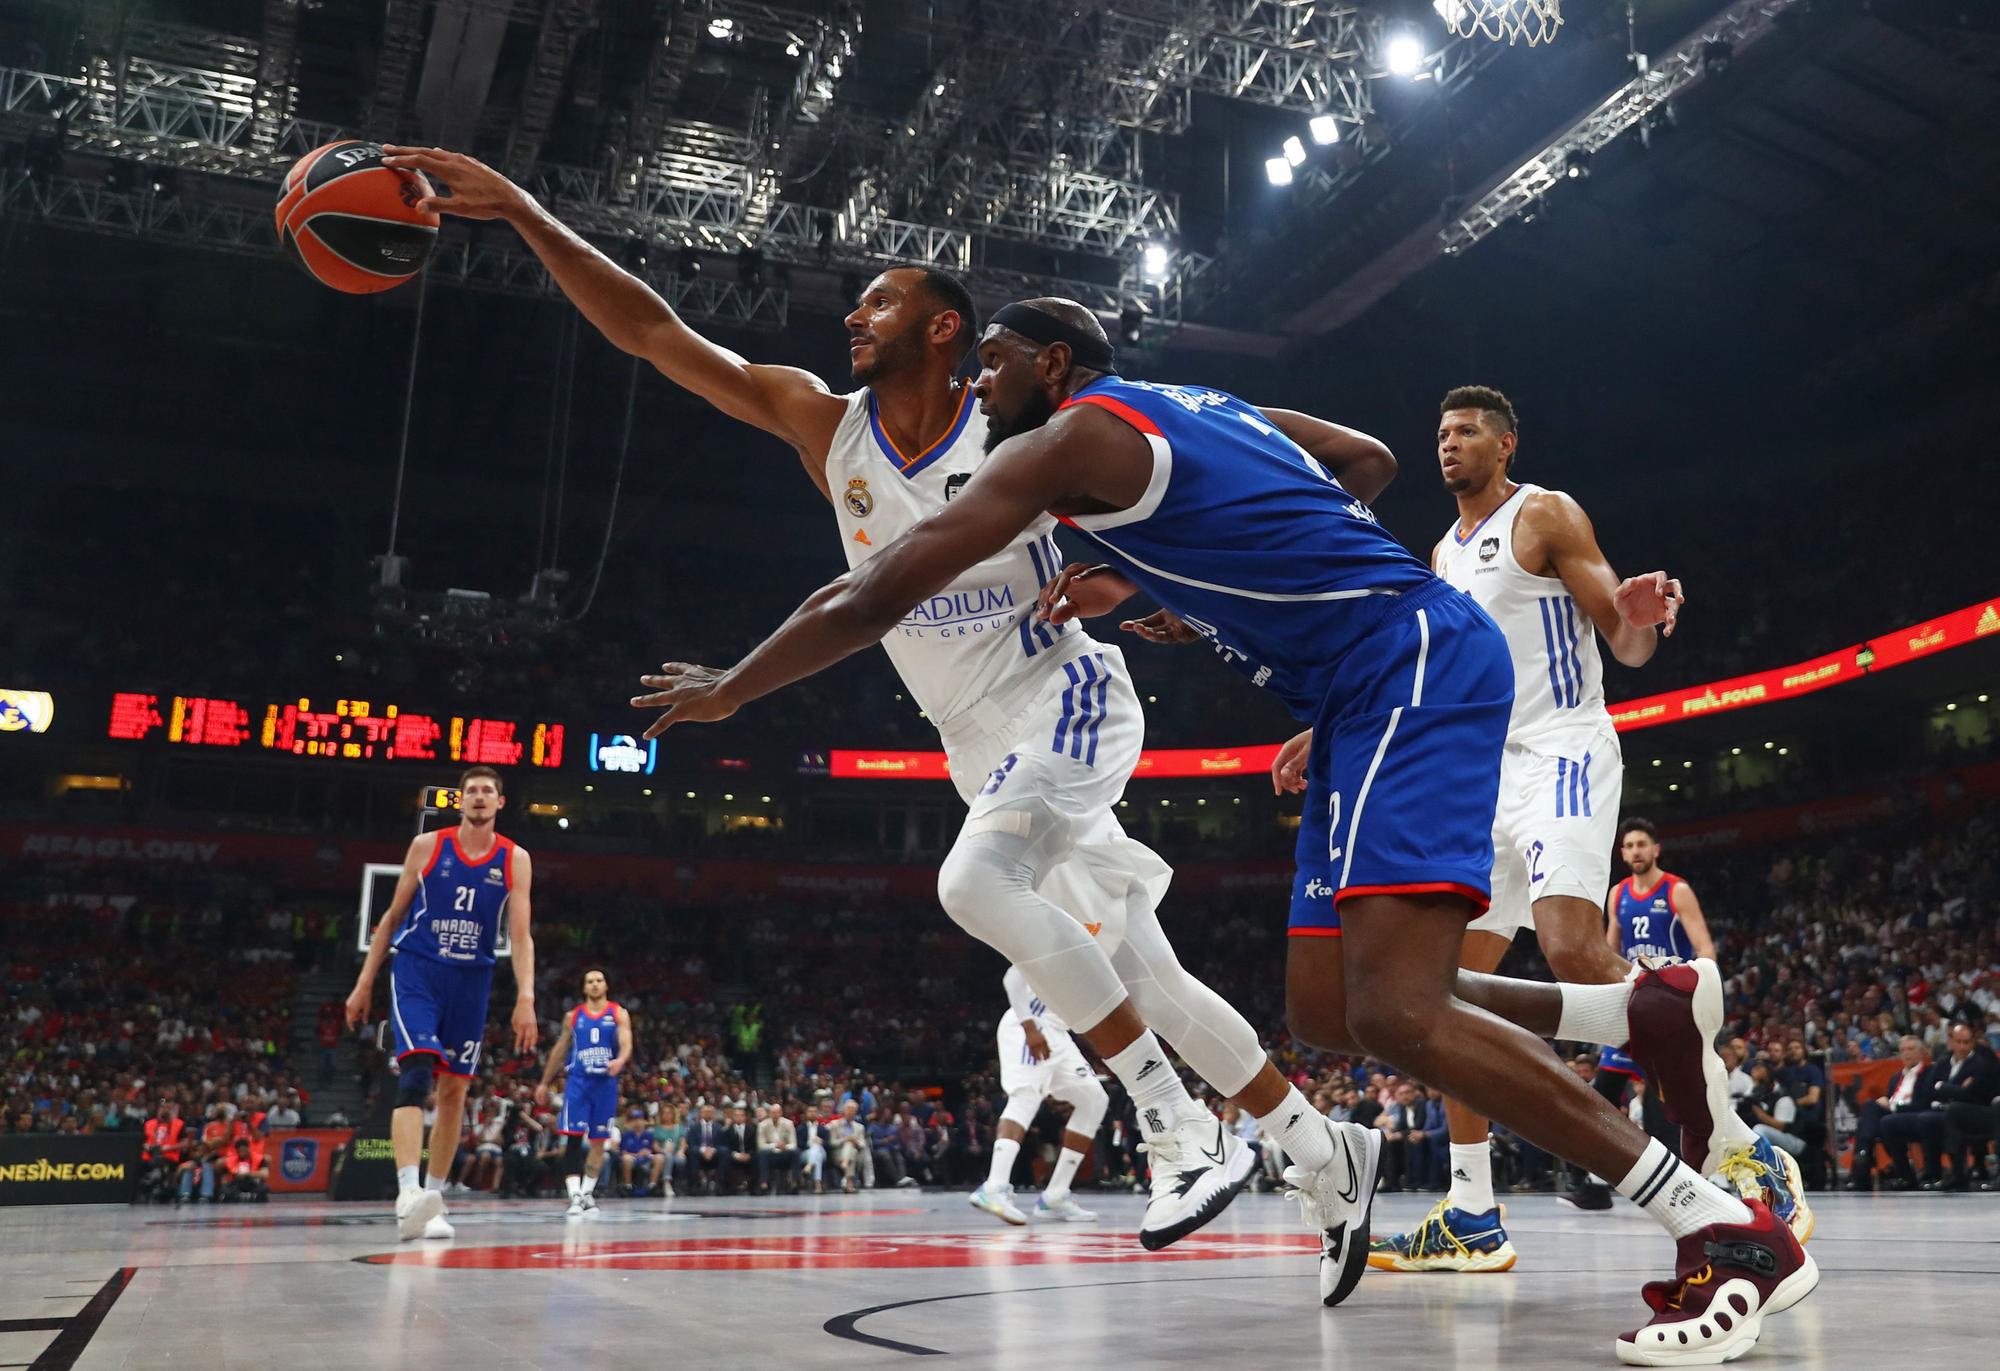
{"x":414,"y":1209}
{"x":1198,"y":1166}
{"x":589,"y":1203}
{"x":908,"y":1183}
{"x":1337,"y":1200}
{"x":1066,"y":1209}
{"x":438,"y":1228}
{"x":575,"y":1210}
{"x":998,"y":1203}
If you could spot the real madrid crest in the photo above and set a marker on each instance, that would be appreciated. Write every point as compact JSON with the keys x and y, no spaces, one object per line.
{"x":859,"y":502}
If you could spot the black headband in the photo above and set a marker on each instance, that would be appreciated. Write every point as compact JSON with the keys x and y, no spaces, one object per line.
{"x":1085,"y":349}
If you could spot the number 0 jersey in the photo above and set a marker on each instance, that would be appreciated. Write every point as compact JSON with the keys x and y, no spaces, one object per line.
{"x":1249,"y":539}
{"x":593,"y":1039}
{"x":456,"y":913}
{"x":1647,"y":924}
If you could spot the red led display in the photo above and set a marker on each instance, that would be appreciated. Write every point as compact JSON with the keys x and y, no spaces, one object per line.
{"x":208,"y":723}
{"x":344,"y":730}
{"x":134,"y":716}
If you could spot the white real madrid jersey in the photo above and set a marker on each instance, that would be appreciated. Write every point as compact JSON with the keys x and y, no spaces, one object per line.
{"x":977,"y":637}
{"x":1558,"y":676}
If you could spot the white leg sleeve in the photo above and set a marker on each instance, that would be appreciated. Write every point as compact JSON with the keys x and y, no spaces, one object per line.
{"x":1199,"y":1024}
{"x":1022,"y":1106}
{"x":987,"y":884}
{"x":1086,"y":1110}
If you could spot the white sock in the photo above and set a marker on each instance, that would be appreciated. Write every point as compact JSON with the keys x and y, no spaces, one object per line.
{"x":573,"y":1184}
{"x":1679,"y":1199}
{"x":1002,"y":1170}
{"x":406,"y":1180}
{"x":589,"y":1184}
{"x":1471,"y":1177}
{"x":1300,"y":1130}
{"x":1057,"y":1190}
{"x":1154,"y":1084}
{"x":434,"y":1183}
{"x":1595,"y":1013}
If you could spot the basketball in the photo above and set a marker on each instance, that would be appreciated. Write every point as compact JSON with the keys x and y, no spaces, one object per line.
{"x":353,"y":223}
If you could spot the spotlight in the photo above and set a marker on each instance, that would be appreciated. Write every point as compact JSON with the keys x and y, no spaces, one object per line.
{"x":1576,"y":166}
{"x":1278,"y":170}
{"x":1404,"y":54}
{"x":1155,"y":260}
{"x":1324,"y":129}
{"x":1295,"y":151}
{"x":687,"y":265}
{"x":1715,"y":55}
{"x":750,"y":269}
{"x":1131,"y":320}
{"x":721,"y":28}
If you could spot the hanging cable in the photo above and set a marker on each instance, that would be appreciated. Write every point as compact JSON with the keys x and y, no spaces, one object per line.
{"x":409,"y":404}
{"x":562,"y":454}
{"x":617,"y":484}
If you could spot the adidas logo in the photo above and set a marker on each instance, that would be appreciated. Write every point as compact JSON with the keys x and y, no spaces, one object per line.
{"x":1458,"y":1174}
{"x":1152,"y":1065}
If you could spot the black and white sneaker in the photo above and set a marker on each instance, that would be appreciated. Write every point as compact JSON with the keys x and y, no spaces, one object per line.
{"x":1337,"y":1199}
{"x":1198,"y":1166}
{"x":1589,"y":1194}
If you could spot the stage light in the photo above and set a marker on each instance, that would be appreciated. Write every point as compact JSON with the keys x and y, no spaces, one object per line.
{"x":1295,"y":151}
{"x":1131,"y":323}
{"x":1324,"y":129}
{"x":1278,"y":170}
{"x":1576,"y":165}
{"x":1404,"y":54}
{"x":687,"y":266}
{"x":1155,"y":260}
{"x":721,"y":28}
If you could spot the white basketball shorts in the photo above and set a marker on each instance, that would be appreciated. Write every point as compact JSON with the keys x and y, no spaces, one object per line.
{"x":1555,"y":827}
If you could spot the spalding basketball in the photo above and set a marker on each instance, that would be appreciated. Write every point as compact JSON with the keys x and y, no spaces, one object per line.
{"x":352,"y":222}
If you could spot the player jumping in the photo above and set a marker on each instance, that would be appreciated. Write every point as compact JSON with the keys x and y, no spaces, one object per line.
{"x":1039,"y":1061}
{"x":1041,"y":723}
{"x":441,"y":929}
{"x":1230,"y":518}
{"x":593,"y":1047}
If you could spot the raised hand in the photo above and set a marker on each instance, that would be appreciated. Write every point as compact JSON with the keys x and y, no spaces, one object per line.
{"x":1653,"y":598}
{"x":476,"y":190}
{"x":685,"y":694}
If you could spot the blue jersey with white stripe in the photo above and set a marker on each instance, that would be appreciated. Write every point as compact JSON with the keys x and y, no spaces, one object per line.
{"x":455,"y":915}
{"x":1249,"y":539}
{"x":1647,"y":924}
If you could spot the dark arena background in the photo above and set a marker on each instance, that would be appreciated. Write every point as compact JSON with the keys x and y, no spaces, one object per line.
{"x":284,"y":563}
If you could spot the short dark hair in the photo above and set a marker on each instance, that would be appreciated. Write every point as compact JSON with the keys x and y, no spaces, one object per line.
{"x":1486,"y":399}
{"x":482,"y":770}
{"x":1638,"y":825}
{"x":950,"y":292}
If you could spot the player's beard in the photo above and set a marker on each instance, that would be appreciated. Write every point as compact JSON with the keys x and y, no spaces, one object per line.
{"x":892,"y":355}
{"x":1037,"y":409}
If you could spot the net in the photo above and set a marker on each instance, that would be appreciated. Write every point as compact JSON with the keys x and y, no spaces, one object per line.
{"x":1517,"y":21}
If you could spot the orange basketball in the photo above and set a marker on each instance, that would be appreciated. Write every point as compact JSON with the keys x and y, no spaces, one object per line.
{"x":352,"y":222}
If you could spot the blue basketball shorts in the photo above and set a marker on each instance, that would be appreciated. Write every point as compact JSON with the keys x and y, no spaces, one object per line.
{"x":438,"y":1009}
{"x":1404,"y":772}
{"x":590,"y":1103}
{"x":1614,"y":1059}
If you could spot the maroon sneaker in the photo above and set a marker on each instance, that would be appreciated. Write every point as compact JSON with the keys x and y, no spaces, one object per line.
{"x":1727,"y":1277}
{"x":1675,"y":1014}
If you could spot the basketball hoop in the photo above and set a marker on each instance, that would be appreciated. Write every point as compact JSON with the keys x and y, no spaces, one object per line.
{"x":1518,"y":21}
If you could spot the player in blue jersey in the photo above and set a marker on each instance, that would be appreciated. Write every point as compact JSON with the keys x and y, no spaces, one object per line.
{"x":1653,"y":913}
{"x":439,"y":937}
{"x":593,"y":1047}
{"x":1243,"y":523}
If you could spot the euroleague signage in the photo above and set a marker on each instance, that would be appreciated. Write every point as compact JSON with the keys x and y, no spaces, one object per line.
{"x":1154,"y":763}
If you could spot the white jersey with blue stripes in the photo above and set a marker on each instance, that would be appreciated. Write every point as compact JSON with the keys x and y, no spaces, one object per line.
{"x":1558,"y":675}
{"x":1253,"y":543}
{"x":976,"y":638}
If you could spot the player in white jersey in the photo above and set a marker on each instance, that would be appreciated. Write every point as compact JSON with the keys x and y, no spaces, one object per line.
{"x":1039,"y":1061}
{"x":1042,"y":727}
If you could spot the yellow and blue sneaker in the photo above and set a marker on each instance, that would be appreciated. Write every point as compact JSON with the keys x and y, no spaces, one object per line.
{"x":1447,"y":1240}
{"x":1763,"y":1171}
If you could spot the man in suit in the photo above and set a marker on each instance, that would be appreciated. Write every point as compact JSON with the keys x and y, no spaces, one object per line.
{"x":1965,"y":1093}
{"x":1403,"y":1134}
{"x":1902,"y":1096}
{"x":739,"y":1149}
{"x":777,"y":1150}
{"x":707,"y":1155}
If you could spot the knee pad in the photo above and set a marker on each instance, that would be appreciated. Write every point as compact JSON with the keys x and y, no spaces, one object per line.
{"x":413,"y":1081}
{"x":1087,"y":1114}
{"x":1022,"y":1106}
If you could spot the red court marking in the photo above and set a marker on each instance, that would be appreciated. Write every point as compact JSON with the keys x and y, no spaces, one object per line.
{"x":850,"y":1252}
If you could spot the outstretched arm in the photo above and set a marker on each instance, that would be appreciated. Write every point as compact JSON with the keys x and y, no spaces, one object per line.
{"x":785,"y":401}
{"x":1625,"y":612}
{"x":1025,"y":476}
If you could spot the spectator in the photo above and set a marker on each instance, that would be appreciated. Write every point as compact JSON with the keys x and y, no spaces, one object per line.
{"x":739,"y":1150}
{"x":811,"y":1144}
{"x":707,"y":1153}
{"x":284,"y":1114}
{"x":249,"y":1178}
{"x":1902,"y":1096}
{"x":669,"y":1138}
{"x":638,"y":1156}
{"x":848,"y":1140}
{"x":777,"y":1151}
{"x":1965,"y":1092}
{"x":1772,"y":1112}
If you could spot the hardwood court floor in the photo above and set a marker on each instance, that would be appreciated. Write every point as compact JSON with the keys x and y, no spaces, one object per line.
{"x":885,"y":1279}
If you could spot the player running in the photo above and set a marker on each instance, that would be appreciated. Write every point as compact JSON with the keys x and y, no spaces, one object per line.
{"x":1231,"y":517}
{"x":1041,"y":723}
{"x":593,"y":1047}
{"x":1039,"y":1061}
{"x":441,"y":930}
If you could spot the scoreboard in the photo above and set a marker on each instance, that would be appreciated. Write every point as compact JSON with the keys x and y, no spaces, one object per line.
{"x":335,"y":730}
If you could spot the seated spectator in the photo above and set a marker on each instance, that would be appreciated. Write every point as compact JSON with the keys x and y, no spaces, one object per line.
{"x":669,"y":1133}
{"x":706,"y":1156}
{"x":777,"y":1151}
{"x":637,"y":1156}
{"x":1903,"y":1096}
{"x":853,"y":1156}
{"x":1804,"y":1084}
{"x":1966,"y":1090}
{"x":812,"y":1151}
{"x":248,"y":1175}
{"x":886,"y":1145}
{"x":285,"y":1114}
{"x":739,"y":1151}
{"x":164,"y":1146}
